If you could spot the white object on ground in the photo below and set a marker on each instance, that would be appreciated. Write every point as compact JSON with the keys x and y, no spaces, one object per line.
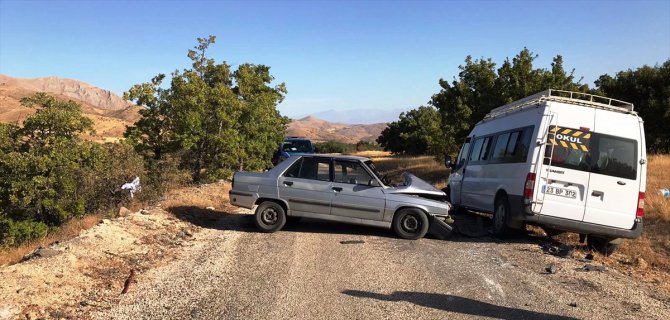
{"x":133,"y":186}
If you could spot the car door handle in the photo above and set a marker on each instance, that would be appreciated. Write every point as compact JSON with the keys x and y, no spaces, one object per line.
{"x":621,"y":183}
{"x":288,"y":183}
{"x":337,"y":189}
{"x":596,"y":193}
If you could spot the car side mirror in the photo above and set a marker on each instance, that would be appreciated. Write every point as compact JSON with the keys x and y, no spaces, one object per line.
{"x":448,"y":162}
{"x":373,"y":183}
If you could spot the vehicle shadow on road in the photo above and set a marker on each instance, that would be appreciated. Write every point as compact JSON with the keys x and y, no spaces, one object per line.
{"x":456,"y":304}
{"x":222,"y":220}
{"x":213,"y":219}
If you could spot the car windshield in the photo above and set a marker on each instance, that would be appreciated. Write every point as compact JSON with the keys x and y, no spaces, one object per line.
{"x":297,"y":146}
{"x":372,"y":167}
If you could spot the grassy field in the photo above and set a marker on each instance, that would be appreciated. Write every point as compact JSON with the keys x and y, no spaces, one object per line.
{"x":652,"y":249}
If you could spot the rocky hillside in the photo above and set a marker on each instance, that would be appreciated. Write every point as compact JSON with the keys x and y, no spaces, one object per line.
{"x":109,"y":112}
{"x":321,"y":130}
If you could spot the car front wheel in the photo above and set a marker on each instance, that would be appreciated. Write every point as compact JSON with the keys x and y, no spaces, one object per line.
{"x":410,"y":224}
{"x":270,"y":217}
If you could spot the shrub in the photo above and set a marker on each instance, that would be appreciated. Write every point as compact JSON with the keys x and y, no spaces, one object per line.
{"x":16,"y":232}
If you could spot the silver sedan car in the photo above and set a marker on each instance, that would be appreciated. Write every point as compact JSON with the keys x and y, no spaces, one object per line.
{"x":341,"y":188}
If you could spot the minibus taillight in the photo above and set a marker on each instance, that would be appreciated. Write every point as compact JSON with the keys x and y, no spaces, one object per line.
{"x":640,"y":205}
{"x":529,"y":187}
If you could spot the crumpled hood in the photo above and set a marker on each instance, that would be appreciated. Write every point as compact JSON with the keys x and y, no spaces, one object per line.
{"x":414,"y":185}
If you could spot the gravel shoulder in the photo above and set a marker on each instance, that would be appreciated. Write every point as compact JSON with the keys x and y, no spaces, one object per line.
{"x":192,"y":262}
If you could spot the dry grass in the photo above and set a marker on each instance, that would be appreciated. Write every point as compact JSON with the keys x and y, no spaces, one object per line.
{"x":654,"y":245}
{"x":68,"y":230}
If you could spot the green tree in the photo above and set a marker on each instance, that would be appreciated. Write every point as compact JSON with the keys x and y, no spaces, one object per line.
{"x":42,"y":162}
{"x":648,"y":88}
{"x":418,"y":131}
{"x":214,"y":119}
{"x":464,"y":101}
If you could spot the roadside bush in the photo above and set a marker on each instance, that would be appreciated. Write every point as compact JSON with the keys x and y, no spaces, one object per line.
{"x":367,"y":146}
{"x":50,"y":176}
{"x":16,"y":232}
{"x":335,"y":147}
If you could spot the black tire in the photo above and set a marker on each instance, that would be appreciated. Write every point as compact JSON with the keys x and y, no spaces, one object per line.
{"x":601,"y":245}
{"x":410,"y":224}
{"x":500,"y":216}
{"x":270,"y":217}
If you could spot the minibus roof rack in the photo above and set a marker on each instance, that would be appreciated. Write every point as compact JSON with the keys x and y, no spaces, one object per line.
{"x":576,"y":98}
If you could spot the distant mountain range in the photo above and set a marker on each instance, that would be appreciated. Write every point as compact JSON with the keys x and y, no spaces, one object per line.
{"x":359,"y":116}
{"x":111,"y":114}
{"x":321,"y":130}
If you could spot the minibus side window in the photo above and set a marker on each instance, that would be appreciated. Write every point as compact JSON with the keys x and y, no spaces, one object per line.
{"x":513,"y":146}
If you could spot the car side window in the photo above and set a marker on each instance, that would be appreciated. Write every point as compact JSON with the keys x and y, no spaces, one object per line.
{"x":351,"y":172}
{"x":294,"y":170}
{"x":315,"y":169}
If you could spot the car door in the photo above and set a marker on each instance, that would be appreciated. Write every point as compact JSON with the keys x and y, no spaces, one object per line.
{"x":615,"y":180}
{"x":456,"y":176}
{"x":306,"y":186}
{"x":356,"y":193}
{"x":473,"y":191}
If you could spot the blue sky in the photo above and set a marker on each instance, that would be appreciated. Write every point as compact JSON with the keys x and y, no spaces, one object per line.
{"x":331,"y":54}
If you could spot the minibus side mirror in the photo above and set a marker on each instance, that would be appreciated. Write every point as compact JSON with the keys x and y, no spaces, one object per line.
{"x":448,"y":162}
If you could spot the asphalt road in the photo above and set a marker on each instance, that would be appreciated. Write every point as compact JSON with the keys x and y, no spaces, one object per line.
{"x":306,"y":272}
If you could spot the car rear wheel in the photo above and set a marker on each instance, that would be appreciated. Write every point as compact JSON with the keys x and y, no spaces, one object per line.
{"x":270,"y":217}
{"x":410,"y":224}
{"x":602,"y":245}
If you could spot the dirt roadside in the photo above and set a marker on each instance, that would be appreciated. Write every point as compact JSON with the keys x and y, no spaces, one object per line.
{"x":195,"y":257}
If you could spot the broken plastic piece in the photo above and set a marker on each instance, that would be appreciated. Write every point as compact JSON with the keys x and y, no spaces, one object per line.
{"x":133,"y":186}
{"x":440,"y":229}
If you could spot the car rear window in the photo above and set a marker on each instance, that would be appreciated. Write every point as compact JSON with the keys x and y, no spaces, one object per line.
{"x":592,"y":152}
{"x":297,"y":146}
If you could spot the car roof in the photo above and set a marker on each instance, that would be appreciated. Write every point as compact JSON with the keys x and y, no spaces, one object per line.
{"x":295,"y":139}
{"x":336,"y":156}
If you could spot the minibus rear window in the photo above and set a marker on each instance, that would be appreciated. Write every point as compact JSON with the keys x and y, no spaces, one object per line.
{"x":592,"y":152}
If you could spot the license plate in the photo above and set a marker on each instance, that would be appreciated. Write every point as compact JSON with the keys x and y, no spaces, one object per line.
{"x":560,"y":192}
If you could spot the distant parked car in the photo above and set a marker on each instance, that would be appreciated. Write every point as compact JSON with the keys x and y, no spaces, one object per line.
{"x":292,"y":146}
{"x":341,"y":188}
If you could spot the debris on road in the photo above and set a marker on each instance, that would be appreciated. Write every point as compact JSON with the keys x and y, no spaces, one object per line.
{"x":573,"y":304}
{"x":551,"y":269}
{"x":440,"y":228}
{"x":591,"y":267}
{"x":126,"y":286}
{"x":352,"y":241}
{"x":562,"y":251}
